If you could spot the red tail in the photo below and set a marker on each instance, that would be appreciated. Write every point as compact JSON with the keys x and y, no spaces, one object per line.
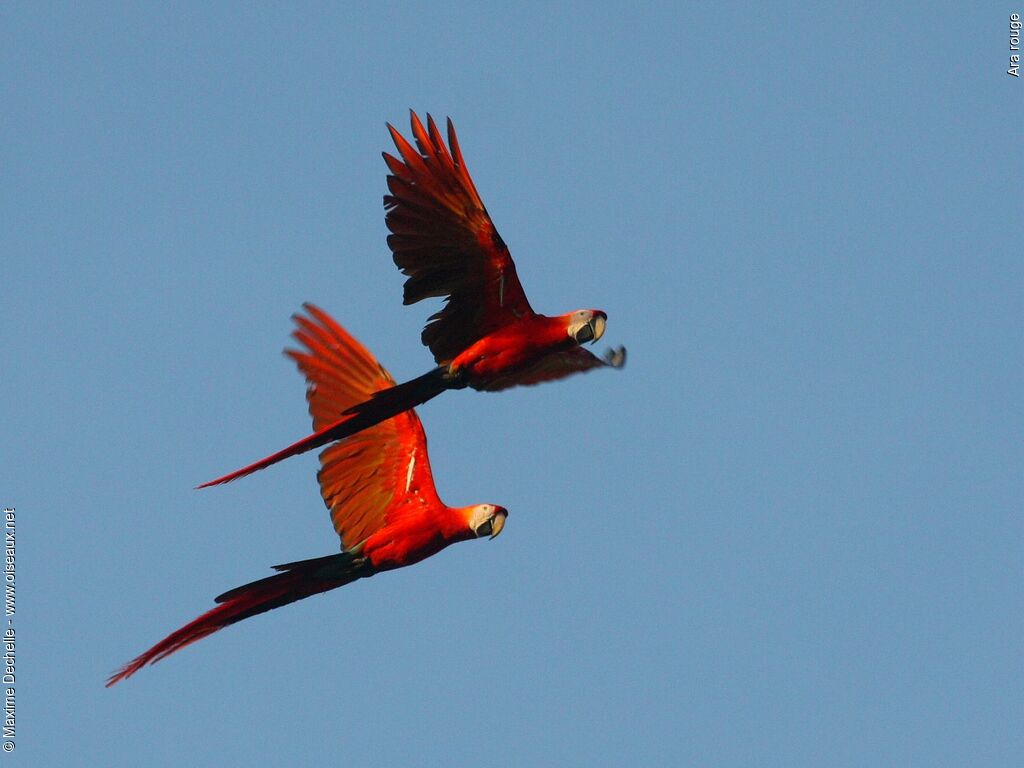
{"x":300,"y":579}
{"x":315,"y":440}
{"x":382,"y":406}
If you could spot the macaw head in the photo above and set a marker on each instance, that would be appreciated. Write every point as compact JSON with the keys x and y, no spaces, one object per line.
{"x":586,"y":325}
{"x":487,"y":519}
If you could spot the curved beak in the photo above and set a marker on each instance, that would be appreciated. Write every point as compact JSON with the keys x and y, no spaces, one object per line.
{"x":498,"y":523}
{"x":591,"y":330}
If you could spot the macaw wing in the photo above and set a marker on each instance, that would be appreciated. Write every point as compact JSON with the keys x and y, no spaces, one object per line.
{"x":443,"y":239}
{"x":558,"y":365}
{"x":361,"y":476}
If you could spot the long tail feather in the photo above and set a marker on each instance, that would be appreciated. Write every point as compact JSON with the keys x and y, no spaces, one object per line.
{"x":382,"y":406}
{"x":298,"y":580}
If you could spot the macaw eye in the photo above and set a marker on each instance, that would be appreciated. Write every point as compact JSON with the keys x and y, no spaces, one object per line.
{"x":485,"y":529}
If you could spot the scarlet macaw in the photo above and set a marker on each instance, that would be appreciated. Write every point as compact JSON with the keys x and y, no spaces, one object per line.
{"x":487,"y":336}
{"x":377,"y":485}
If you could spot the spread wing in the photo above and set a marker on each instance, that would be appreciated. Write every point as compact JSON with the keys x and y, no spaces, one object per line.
{"x":558,"y":365}
{"x":361,"y":476}
{"x":444,"y":240}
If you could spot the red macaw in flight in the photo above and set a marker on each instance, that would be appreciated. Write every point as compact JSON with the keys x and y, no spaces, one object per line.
{"x":377,"y":485}
{"x":487,"y":336}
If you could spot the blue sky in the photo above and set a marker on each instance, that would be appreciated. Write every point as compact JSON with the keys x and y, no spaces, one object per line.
{"x":789,"y":533}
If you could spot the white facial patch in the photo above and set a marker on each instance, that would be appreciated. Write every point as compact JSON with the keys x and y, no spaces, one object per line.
{"x":480,"y":514}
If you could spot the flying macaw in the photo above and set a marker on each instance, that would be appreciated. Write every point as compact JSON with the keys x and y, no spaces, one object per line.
{"x":487,"y":336}
{"x":377,"y":485}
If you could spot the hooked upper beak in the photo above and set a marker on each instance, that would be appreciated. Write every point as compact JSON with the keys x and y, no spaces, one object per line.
{"x":592,"y":330}
{"x":498,"y":523}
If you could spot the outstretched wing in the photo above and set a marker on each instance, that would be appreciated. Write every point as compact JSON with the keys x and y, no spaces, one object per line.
{"x":558,"y":365}
{"x":360,"y":476}
{"x":444,"y":240}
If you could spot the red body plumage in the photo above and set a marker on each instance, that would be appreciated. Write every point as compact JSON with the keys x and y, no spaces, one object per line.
{"x":377,"y":485}
{"x":487,"y":336}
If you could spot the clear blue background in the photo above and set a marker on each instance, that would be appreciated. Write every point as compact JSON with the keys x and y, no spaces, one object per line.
{"x":788,"y":534}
